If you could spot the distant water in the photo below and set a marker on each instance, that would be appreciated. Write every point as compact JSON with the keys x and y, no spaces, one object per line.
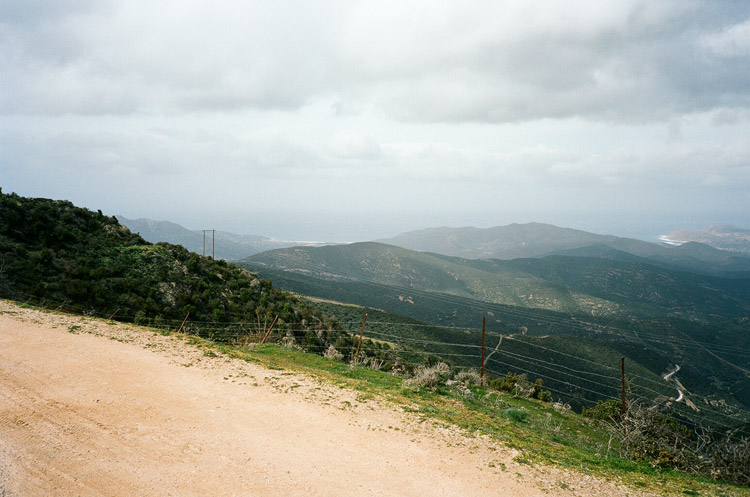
{"x":669,"y":241}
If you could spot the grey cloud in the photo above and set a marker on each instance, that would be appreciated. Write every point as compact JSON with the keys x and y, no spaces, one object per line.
{"x":163,"y":58}
{"x":621,"y":61}
{"x":35,"y":12}
{"x":641,"y":69}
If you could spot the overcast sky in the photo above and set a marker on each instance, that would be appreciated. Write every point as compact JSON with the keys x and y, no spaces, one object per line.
{"x":353,"y":120}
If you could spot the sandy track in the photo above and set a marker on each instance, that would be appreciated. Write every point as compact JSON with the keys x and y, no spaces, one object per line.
{"x":115,"y":410}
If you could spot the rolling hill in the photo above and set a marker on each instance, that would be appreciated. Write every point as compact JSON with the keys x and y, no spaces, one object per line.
{"x":538,"y":240}
{"x":579,"y":285}
{"x":559,"y":315}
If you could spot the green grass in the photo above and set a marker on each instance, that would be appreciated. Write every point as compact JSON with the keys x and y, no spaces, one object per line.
{"x":540,"y":432}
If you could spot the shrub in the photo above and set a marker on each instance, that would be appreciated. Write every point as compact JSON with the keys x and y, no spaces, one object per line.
{"x":538,"y":393}
{"x":647,"y":434}
{"x":429,"y":377}
{"x":607,"y":410}
{"x":516,"y":415}
{"x":508,"y":383}
{"x":468,"y":378}
{"x":140,"y":318}
{"x":333,"y":353}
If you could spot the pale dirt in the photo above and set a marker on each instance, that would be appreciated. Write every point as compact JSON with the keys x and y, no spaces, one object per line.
{"x":117,"y":410}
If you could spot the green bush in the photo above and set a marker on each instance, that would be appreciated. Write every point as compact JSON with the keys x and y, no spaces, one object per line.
{"x":516,"y":415}
{"x":607,"y":410}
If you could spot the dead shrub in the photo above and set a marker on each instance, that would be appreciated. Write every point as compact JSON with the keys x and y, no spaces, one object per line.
{"x":333,"y":353}
{"x":429,"y":377}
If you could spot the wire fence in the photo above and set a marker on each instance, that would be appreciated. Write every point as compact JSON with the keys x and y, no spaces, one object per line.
{"x":584,"y":387}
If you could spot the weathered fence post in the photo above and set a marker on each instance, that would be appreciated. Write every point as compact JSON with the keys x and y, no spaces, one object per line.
{"x":269,"y":330}
{"x":481,"y":364}
{"x":183,"y":322}
{"x":623,"y":385}
{"x":361,"y":333}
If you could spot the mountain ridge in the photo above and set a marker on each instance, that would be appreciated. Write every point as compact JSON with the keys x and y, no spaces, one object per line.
{"x":539,"y":240}
{"x":627,"y":286}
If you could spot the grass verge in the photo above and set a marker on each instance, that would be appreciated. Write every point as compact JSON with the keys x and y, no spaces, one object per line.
{"x":541,"y":433}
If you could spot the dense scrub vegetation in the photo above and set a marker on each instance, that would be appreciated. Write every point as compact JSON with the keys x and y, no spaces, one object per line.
{"x":87,"y":262}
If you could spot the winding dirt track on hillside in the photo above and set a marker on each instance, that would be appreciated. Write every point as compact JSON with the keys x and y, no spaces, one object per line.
{"x":116,"y":410}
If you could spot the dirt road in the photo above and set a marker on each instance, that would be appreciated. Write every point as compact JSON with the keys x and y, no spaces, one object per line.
{"x":89,"y":408}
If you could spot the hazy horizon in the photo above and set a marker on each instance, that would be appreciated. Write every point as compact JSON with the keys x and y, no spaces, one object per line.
{"x":375,"y":234}
{"x":346,"y":122}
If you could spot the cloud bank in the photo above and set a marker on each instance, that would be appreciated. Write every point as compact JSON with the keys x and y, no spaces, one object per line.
{"x":454,"y":112}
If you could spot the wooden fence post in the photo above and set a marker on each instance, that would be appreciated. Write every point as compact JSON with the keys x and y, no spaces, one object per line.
{"x":361,"y":333}
{"x":481,"y":364}
{"x":269,"y":330}
{"x":623,"y":385}
{"x":183,"y":322}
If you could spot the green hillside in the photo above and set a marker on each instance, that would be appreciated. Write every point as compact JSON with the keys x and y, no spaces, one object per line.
{"x":57,"y":255}
{"x":579,"y":285}
{"x":659,"y":319}
{"x":450,"y":327}
{"x":538,"y":240}
{"x":86,"y":262}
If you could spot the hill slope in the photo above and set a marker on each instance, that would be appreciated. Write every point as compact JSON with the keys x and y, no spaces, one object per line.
{"x":87,"y":262}
{"x":537,"y":240}
{"x":560,"y":314}
{"x":582,"y":285}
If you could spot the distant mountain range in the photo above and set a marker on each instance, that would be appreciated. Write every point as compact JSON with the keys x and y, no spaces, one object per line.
{"x":718,"y":250}
{"x":538,"y":240}
{"x":722,"y":237}
{"x":228,"y":246}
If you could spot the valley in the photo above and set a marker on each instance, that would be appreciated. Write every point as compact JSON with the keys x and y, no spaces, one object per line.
{"x":565,"y":319}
